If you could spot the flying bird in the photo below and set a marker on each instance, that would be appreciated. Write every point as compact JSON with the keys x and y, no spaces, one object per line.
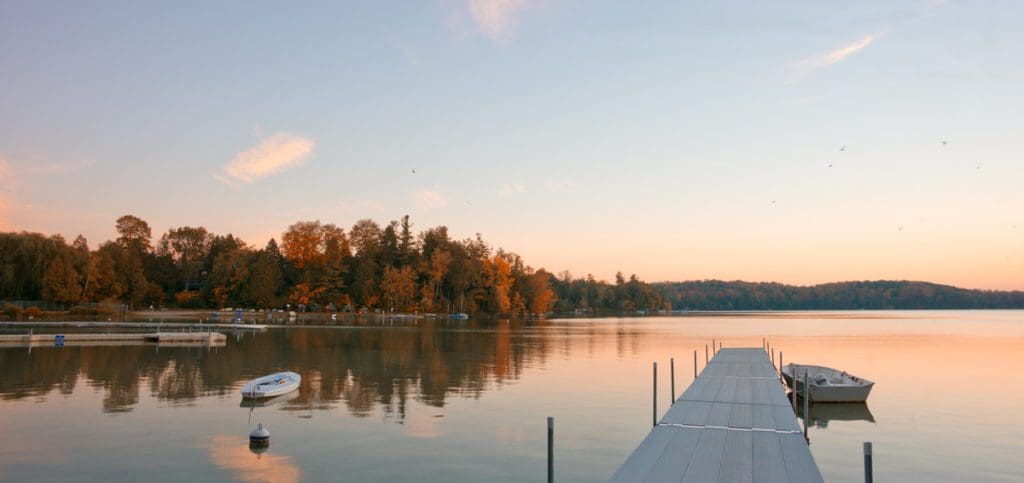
{"x":944,"y":142}
{"x":843,"y":148}
{"x":413,"y":170}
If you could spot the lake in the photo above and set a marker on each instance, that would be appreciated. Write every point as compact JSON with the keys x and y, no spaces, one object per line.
{"x":446,"y":400}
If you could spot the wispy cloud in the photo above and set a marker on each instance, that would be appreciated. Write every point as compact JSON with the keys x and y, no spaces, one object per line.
{"x":494,"y":19}
{"x":429,"y":199}
{"x":273,"y":155}
{"x":806,"y":66}
{"x":224,"y":179}
{"x":510,"y":189}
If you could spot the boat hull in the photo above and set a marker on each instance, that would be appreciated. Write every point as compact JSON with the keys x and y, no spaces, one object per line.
{"x":831,"y":393}
{"x":271,"y":385}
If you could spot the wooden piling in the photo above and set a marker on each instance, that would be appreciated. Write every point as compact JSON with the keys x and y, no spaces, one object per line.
{"x":672,"y":374}
{"x":793,"y":389}
{"x":654,"y":409}
{"x":869,"y":476}
{"x":807,"y":402}
{"x":551,"y":449}
{"x":695,"y":364}
{"x":707,"y":359}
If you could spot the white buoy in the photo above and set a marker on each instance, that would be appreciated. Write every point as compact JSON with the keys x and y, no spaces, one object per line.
{"x":259,"y":439}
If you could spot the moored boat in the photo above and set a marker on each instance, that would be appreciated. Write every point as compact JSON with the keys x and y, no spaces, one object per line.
{"x":271,"y":385}
{"x":827,"y":384}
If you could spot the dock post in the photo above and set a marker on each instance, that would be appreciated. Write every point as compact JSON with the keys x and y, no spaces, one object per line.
{"x":773,"y":358}
{"x":695,"y":364}
{"x":713,"y":346}
{"x":672,"y":373}
{"x":551,"y":449}
{"x":807,"y":402}
{"x":706,"y":358}
{"x":869,"y":476}
{"x":780,"y":362}
{"x":792,"y":389}
{"x":763,"y":343}
{"x":654,"y":410}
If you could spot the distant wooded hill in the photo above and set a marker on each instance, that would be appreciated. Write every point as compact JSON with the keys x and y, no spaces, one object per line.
{"x":867,"y":295}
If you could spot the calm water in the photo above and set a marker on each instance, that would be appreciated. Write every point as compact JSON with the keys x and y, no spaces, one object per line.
{"x":467,"y":401}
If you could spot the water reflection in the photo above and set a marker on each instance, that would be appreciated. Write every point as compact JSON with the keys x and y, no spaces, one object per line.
{"x":357,"y":366}
{"x":821,"y":414}
{"x":232,"y":454}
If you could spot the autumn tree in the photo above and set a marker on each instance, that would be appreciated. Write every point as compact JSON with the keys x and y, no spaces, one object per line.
{"x":398,"y":287}
{"x":61,"y":280}
{"x":497,"y":282}
{"x":302,"y":243}
{"x":228,"y":278}
{"x":265,"y":280}
{"x":435,"y":269}
{"x":540,"y":298}
{"x":133,"y":231}
{"x":188,"y":247}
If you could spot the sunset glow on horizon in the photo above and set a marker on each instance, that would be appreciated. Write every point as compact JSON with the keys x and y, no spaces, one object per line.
{"x":760,"y":142}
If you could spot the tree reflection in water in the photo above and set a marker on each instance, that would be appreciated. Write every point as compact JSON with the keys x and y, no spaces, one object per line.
{"x":361,"y":366}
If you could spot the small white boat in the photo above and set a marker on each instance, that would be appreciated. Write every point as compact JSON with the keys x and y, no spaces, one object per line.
{"x":272,"y":385}
{"x":827,"y":384}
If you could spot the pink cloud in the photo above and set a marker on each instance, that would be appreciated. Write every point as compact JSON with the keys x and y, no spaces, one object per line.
{"x":273,"y":155}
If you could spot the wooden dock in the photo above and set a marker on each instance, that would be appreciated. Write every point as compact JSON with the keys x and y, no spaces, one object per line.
{"x":162,"y":338}
{"x":732,"y":424}
{"x":136,"y":325}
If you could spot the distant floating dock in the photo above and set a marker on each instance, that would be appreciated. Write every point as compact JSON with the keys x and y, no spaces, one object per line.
{"x":136,"y":325}
{"x":215,"y":339}
{"x":732,"y":424}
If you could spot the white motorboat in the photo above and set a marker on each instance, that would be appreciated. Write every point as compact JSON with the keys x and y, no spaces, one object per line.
{"x":827,"y":384}
{"x":272,"y":385}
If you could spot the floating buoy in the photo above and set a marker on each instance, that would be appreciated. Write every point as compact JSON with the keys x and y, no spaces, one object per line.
{"x":259,"y":439}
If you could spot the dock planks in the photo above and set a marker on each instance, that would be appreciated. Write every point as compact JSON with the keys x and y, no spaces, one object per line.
{"x":163,"y":338}
{"x":733,"y":424}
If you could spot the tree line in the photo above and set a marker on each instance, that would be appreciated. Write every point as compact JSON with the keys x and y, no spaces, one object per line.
{"x":321,"y":266}
{"x":864,"y":295}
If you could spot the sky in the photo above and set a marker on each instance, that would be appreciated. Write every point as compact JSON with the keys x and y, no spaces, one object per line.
{"x":799,"y":142}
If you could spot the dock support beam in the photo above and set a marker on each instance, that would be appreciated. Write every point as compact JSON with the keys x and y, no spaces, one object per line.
{"x":654,"y":410}
{"x":807,"y":402}
{"x":869,"y":476}
{"x":672,"y":374}
{"x":792,"y":389}
{"x":551,"y":449}
{"x":707,"y":359}
{"x":694,"y":364}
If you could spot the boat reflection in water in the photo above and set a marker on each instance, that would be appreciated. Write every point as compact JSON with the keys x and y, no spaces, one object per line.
{"x":267,"y":402}
{"x":821,"y":414}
